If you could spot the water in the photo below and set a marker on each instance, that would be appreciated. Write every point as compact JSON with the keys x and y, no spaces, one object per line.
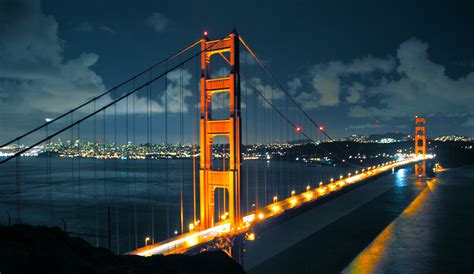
{"x":395,"y":224}
{"x":138,"y":194}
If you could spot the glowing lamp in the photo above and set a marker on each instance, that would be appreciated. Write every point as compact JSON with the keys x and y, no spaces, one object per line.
{"x":293,"y":201}
{"x":275,"y":208}
{"x":250,"y":236}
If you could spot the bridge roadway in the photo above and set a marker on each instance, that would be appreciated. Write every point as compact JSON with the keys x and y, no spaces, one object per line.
{"x":190,"y":240}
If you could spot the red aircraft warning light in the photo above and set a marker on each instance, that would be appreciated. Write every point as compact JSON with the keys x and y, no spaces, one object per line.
{"x":298,"y":129}
{"x":321,"y":128}
{"x":205,"y":33}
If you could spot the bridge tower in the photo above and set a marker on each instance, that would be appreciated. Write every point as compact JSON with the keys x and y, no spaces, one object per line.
{"x":228,"y":180}
{"x":420,"y":144}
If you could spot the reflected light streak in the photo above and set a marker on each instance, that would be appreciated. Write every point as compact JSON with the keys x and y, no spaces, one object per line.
{"x":371,"y":258}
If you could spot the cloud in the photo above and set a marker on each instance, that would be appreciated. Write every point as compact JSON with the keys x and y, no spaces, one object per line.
{"x":294,"y":85}
{"x":157,"y":21}
{"x":177,"y":93}
{"x":355,"y":93}
{"x":106,"y":29}
{"x":330,"y":81}
{"x":469,"y":122}
{"x":89,"y":27}
{"x":421,"y":87}
{"x":270,"y":93}
{"x":34,"y":74}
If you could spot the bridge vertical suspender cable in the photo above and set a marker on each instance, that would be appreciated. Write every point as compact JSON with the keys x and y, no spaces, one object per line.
{"x":298,"y":106}
{"x":148,"y":166}
{"x":116,"y":184}
{"x":127,"y":146}
{"x":135,"y":191}
{"x":181,"y":143}
{"x":80,"y":201}
{"x":246,"y":135}
{"x":113,"y":89}
{"x":96,"y":195}
{"x":166,"y":158}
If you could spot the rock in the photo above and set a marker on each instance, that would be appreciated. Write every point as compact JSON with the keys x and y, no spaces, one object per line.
{"x":37,"y":249}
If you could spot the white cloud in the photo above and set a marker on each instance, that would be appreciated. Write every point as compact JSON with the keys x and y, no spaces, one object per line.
{"x":355,"y":93}
{"x":421,"y":88}
{"x":157,"y":21}
{"x":89,"y":27}
{"x":270,"y":92}
{"x":294,"y":85}
{"x":327,"y":81}
{"x":178,"y":91}
{"x":34,"y":75}
{"x":106,"y":29}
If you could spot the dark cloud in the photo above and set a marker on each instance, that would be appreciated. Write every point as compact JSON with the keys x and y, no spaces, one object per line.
{"x":34,"y":74}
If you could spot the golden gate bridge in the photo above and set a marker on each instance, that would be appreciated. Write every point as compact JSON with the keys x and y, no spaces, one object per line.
{"x":206,"y":117}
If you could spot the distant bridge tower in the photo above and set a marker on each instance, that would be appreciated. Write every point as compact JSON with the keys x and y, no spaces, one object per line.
{"x":228,"y":180}
{"x":420,"y":144}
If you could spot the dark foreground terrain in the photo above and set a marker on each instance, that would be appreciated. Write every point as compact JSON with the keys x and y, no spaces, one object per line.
{"x":33,"y":249}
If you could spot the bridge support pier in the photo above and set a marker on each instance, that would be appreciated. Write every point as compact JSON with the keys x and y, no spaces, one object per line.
{"x":231,"y":245}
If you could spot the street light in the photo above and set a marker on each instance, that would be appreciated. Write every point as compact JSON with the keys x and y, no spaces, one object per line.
{"x":147,"y":239}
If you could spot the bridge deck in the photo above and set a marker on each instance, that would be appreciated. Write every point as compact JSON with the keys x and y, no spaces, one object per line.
{"x":190,"y":240}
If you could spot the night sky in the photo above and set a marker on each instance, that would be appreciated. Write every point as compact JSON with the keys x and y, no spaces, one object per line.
{"x":348,"y":63}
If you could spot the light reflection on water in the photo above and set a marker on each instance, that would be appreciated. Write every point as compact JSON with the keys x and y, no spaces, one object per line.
{"x":402,"y":238}
{"x":400,"y":177}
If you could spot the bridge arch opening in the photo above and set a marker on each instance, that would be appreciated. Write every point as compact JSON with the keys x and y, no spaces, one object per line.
{"x":221,"y":204}
{"x":220,"y":153}
{"x":220,"y":106}
{"x":420,"y":143}
{"x":220,"y":65}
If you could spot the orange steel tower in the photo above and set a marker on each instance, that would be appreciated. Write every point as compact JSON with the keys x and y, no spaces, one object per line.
{"x":228,"y":180}
{"x":420,"y":144}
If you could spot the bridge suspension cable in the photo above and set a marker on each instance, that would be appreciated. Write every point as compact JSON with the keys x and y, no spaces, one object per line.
{"x":285,"y":91}
{"x":270,"y":74}
{"x":105,"y":106}
{"x":113,"y":89}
